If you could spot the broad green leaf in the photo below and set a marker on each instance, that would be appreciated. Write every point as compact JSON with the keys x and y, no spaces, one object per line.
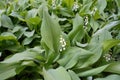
{"x":74,"y":55}
{"x":8,"y":34}
{"x":118,"y":36}
{"x":108,"y":27}
{"x":7,"y":70}
{"x":96,"y":14}
{"x":41,"y":8}
{"x":93,"y":71}
{"x":20,"y":56}
{"x":77,"y":32}
{"x":116,"y":51}
{"x":1,"y":11}
{"x":110,"y":43}
{"x":28,"y":63}
{"x":66,"y":12}
{"x":85,"y":9}
{"x":101,"y":5}
{"x":94,"y":24}
{"x":33,"y":22}
{"x":29,"y":54}
{"x":113,"y":68}
{"x":97,"y":50}
{"x":56,"y":74}
{"x":101,"y":37}
{"x":17,"y":15}
{"x":81,"y":45}
{"x":19,"y":69}
{"x":51,"y":58}
{"x":110,"y":77}
{"x":27,"y":41}
{"x":73,"y":75}
{"x":6,"y":22}
{"x":22,"y":5}
{"x":86,"y":1}
{"x":19,"y":31}
{"x":9,"y":43}
{"x":32,"y":13}
{"x":118,"y":4}
{"x":69,"y":3}
{"x":29,"y":34}
{"x":50,"y":31}
{"x":2,"y":4}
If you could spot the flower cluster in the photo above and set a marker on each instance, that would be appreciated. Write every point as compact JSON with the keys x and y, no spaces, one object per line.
{"x":56,"y":3}
{"x":53,"y":4}
{"x":75,"y":6}
{"x":108,"y":57}
{"x":63,"y":43}
{"x":86,"y":19}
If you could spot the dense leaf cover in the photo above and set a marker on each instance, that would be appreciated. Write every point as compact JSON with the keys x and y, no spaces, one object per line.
{"x":59,"y":39}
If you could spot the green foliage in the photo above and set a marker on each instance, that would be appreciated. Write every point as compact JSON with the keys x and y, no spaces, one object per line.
{"x":8,"y":69}
{"x":77,"y":33}
{"x":50,"y":32}
{"x":53,"y":74}
{"x":9,"y":43}
{"x":111,"y":77}
{"x":59,"y":39}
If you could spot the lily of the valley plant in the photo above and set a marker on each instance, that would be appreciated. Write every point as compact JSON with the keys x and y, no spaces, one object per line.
{"x":59,"y":39}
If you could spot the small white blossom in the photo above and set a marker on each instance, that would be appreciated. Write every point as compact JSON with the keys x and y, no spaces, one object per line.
{"x":62,"y":43}
{"x":86,"y":19}
{"x":56,"y":3}
{"x":75,"y":6}
{"x":53,"y":4}
{"x":108,"y":57}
